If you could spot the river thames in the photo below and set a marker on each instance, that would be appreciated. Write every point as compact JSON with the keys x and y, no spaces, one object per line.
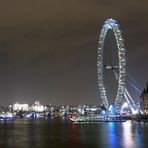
{"x":58,"y":133}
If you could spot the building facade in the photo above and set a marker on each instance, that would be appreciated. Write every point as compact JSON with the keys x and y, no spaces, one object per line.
{"x":144,"y":100}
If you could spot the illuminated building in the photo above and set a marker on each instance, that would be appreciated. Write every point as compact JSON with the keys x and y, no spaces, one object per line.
{"x":37,"y":107}
{"x":144,"y":100}
{"x":20,"y":107}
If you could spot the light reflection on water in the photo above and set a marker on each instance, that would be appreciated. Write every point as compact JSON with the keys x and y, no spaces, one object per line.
{"x":63,"y":134}
{"x":112,"y":136}
{"x":128,"y":135}
{"x":132,"y":136}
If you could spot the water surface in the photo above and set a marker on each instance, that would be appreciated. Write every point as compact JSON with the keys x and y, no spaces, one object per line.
{"x":58,"y":133}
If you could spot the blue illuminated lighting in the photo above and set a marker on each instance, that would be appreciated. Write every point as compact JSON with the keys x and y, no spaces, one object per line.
{"x":111,"y":110}
{"x":103,"y":112}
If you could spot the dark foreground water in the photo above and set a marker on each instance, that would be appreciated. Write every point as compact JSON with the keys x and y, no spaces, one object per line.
{"x":41,"y":133}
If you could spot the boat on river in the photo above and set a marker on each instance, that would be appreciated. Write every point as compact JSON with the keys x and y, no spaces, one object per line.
{"x":6,"y":116}
{"x":96,"y":118}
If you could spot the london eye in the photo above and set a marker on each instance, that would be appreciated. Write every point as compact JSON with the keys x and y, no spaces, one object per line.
{"x":118,"y":69}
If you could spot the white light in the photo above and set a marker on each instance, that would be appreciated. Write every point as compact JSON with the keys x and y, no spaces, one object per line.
{"x":134,"y":112}
{"x":125,"y":105}
{"x":20,"y":107}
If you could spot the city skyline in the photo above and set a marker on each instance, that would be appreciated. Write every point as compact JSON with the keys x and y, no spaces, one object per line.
{"x":48,"y":49}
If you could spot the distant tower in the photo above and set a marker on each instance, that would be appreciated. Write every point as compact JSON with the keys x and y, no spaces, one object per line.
{"x":144,"y":100}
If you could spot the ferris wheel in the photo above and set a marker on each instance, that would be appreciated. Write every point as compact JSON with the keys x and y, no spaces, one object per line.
{"x":119,"y":70}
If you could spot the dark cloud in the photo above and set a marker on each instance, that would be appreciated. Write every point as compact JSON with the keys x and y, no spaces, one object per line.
{"x":48,"y":48}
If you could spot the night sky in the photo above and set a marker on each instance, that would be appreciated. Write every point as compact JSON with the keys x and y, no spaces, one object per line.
{"x":48,"y":48}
